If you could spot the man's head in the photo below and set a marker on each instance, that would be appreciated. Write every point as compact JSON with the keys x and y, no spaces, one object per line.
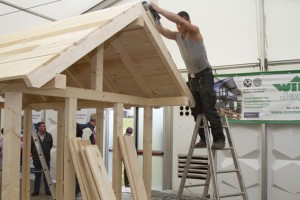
{"x":185,"y":16}
{"x":129,"y":130}
{"x":93,"y":119}
{"x":41,"y":126}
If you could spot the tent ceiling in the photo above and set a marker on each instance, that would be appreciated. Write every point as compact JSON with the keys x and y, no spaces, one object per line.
{"x":23,"y":14}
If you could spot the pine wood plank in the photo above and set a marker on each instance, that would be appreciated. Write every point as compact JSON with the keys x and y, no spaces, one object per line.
{"x":129,"y":154}
{"x":147,"y":153}
{"x":66,"y":25}
{"x":131,"y":66}
{"x":77,"y":161}
{"x":17,"y":69}
{"x":70,"y":131}
{"x":43,"y":74}
{"x":99,"y":172}
{"x":117,"y":156}
{"x":26,"y":153}
{"x":89,"y":176}
{"x":11,"y":146}
{"x":60,"y":140}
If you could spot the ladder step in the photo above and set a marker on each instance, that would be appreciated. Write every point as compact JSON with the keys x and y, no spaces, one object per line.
{"x":193,"y":171}
{"x":201,"y":157}
{"x":193,"y":161}
{"x":195,"y":185}
{"x":232,"y":195}
{"x":225,"y":148}
{"x":193,"y":176}
{"x":193,"y":166}
{"x":227,"y":171}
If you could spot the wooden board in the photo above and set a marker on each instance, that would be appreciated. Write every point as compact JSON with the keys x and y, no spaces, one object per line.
{"x":91,"y":183}
{"x":79,"y":169}
{"x":99,"y":172}
{"x":129,"y":154}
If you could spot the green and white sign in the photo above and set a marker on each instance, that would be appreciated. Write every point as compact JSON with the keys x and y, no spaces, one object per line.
{"x":259,"y":97}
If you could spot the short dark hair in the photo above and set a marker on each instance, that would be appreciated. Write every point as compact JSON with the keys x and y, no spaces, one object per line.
{"x":40,"y":123}
{"x":184,"y":15}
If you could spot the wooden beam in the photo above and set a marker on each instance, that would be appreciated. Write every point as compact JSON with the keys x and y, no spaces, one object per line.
{"x":74,"y":78}
{"x":97,"y":69}
{"x":131,"y":67}
{"x":147,"y":153}
{"x":58,"y":82}
{"x":11,"y":146}
{"x":100,"y":129}
{"x":70,"y":132}
{"x":60,"y":141}
{"x":117,"y":156}
{"x":79,"y":93}
{"x":26,"y":153}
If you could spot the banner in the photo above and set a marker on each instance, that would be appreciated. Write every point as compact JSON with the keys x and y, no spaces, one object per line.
{"x":259,"y":97}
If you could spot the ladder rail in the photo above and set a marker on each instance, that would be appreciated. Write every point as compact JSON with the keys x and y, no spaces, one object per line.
{"x":196,"y":171}
{"x":211,"y":155}
{"x":235,"y":160}
{"x":43,"y":161}
{"x":189,"y":157}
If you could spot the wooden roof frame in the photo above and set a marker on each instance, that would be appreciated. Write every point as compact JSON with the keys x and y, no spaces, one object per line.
{"x":110,"y":58}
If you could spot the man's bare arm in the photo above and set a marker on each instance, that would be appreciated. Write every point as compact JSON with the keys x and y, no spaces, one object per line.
{"x":166,"y":32}
{"x":192,"y":29}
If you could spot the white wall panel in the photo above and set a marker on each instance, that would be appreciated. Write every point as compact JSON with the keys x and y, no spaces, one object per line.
{"x":284,"y":162}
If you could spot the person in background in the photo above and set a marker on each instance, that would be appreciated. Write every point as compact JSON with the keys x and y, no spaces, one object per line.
{"x":88,"y":129}
{"x":201,"y":80}
{"x":128,"y":132}
{"x":46,"y":142}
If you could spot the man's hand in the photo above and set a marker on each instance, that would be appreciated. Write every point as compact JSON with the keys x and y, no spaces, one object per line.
{"x":156,"y":8}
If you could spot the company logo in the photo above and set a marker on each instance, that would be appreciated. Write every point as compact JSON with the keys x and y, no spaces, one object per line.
{"x":255,"y":82}
{"x":247,"y":82}
{"x":293,"y":86}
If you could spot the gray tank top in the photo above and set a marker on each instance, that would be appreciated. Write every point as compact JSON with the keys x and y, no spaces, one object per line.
{"x":193,"y":54}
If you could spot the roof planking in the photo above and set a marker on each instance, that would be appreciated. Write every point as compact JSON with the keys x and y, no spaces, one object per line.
{"x":107,"y":56}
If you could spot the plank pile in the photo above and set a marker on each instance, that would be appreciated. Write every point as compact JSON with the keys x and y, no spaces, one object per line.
{"x":92,"y":175}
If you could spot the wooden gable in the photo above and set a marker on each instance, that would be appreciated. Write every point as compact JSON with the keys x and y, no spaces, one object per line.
{"x":112,"y":55}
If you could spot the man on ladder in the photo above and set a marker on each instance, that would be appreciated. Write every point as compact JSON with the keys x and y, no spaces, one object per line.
{"x":45,"y":143}
{"x":201,"y":80}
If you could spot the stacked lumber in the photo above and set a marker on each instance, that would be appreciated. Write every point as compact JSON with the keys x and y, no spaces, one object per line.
{"x":90,"y":170}
{"x":92,"y":175}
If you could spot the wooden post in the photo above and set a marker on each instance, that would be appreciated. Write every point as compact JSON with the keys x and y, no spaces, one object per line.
{"x":117,"y":156}
{"x":70,"y":131}
{"x":60,"y":155}
{"x":97,"y":69}
{"x":100,"y":129}
{"x":11,"y":146}
{"x":26,"y":151}
{"x":147,"y":150}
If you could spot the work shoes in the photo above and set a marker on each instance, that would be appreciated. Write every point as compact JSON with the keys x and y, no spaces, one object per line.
{"x":218,"y":144}
{"x":201,"y":144}
{"x":35,"y":194}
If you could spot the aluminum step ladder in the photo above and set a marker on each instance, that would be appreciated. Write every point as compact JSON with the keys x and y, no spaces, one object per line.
{"x":43,"y":161}
{"x":203,"y":167}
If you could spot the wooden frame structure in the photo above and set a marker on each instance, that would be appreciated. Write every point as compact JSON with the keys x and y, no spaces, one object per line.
{"x":113,"y":58}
